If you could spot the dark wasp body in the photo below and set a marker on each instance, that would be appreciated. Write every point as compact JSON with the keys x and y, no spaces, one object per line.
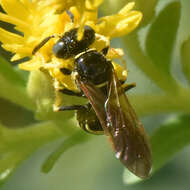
{"x":108,"y":110}
{"x":89,"y":65}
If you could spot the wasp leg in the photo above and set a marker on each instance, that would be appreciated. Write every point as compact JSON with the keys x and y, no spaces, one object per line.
{"x":71,"y":93}
{"x":127,"y":87}
{"x":69,"y":108}
{"x":41,"y":44}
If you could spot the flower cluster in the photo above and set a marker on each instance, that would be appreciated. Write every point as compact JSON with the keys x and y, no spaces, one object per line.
{"x":38,"y":19}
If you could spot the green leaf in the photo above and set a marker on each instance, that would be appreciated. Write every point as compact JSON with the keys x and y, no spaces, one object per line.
{"x":11,"y":75}
{"x":12,"y":86}
{"x":147,"y":7}
{"x":168,"y":140}
{"x":147,"y":67}
{"x":162,"y":35}
{"x":20,"y":117}
{"x":185,"y":56}
{"x":76,"y":139}
{"x":16,"y":145}
{"x":15,"y":94}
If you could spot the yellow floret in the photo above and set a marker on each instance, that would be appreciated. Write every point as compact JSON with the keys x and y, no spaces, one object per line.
{"x":38,"y":19}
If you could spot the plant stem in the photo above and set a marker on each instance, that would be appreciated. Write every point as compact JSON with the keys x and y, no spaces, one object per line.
{"x":144,"y":63}
{"x":167,"y":103}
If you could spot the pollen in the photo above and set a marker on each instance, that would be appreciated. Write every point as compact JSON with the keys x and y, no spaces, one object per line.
{"x":39,"y":19}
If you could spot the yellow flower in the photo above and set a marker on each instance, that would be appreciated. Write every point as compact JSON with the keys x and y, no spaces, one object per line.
{"x":39,"y":19}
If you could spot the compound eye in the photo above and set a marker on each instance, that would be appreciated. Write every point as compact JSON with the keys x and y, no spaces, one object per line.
{"x":60,"y":49}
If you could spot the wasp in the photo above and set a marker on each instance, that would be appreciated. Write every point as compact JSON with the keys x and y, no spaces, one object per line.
{"x":108,"y":110}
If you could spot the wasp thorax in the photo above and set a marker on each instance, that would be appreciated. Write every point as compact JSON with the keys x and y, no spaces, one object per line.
{"x":93,"y":66}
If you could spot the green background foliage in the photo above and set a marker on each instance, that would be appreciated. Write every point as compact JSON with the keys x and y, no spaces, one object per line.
{"x":42,"y":147}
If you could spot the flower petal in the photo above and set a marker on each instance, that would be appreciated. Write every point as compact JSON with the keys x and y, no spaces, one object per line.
{"x":92,"y":5}
{"x":15,"y":9}
{"x":127,"y":25}
{"x":13,"y":20}
{"x":121,"y":23}
{"x":17,"y":48}
{"x":17,"y":57}
{"x":128,"y":7}
{"x":8,"y":37}
{"x":31,"y":65}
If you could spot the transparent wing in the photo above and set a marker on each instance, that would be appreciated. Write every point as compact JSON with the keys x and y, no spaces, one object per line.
{"x":121,"y":125}
{"x":97,"y":100}
{"x":126,"y":132}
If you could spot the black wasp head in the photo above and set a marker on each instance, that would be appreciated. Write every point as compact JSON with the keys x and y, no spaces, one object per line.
{"x":68,"y":45}
{"x":93,"y":66}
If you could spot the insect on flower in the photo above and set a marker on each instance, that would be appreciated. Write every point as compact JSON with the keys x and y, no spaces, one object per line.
{"x":80,"y":63}
{"x":108,"y":110}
